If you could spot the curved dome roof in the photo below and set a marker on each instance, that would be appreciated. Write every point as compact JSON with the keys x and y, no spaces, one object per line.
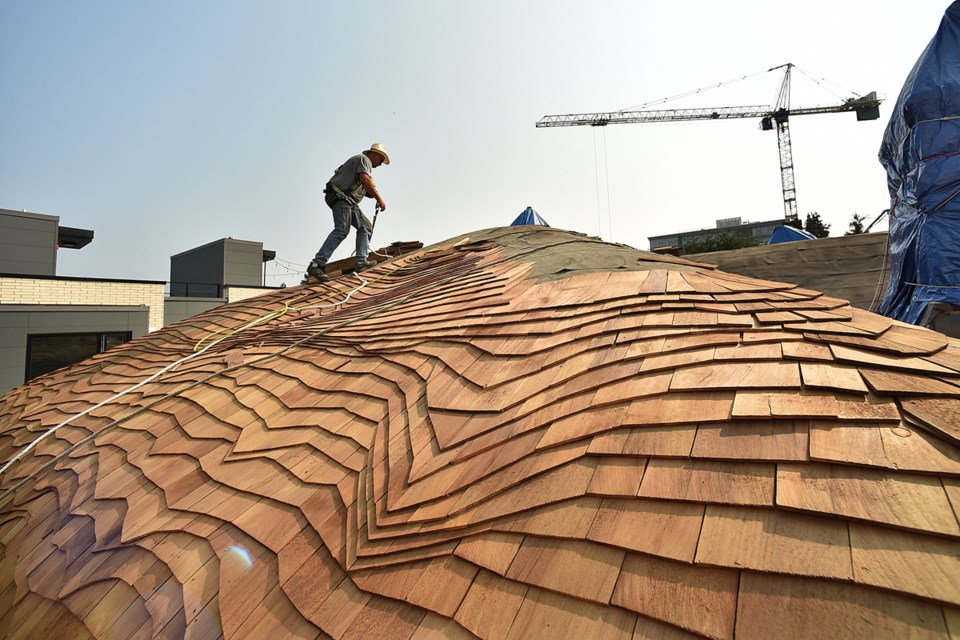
{"x":524,"y":433}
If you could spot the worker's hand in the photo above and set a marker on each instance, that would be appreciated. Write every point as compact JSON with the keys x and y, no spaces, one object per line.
{"x":381,"y":204}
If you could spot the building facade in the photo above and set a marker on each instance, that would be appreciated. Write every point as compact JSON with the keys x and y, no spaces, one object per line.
{"x":222,"y":271}
{"x":758,"y":231}
{"x":49,"y":321}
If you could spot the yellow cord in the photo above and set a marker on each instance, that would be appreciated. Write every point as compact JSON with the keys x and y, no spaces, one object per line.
{"x":264,"y":318}
{"x":286,"y":308}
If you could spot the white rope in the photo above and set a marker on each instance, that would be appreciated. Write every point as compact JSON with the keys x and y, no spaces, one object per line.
{"x":363,"y":283}
{"x":932,"y":286}
{"x":162,"y":371}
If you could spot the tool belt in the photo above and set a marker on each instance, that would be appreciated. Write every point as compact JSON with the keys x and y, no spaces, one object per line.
{"x":332,"y":193}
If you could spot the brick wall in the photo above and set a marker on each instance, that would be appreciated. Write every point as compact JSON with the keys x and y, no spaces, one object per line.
{"x":15,"y":290}
{"x":235,"y":294}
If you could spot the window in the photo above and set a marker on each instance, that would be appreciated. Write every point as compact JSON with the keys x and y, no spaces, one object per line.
{"x":46,"y":353}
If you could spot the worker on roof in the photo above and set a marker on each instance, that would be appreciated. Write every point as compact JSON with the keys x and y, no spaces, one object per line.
{"x":343,"y":193}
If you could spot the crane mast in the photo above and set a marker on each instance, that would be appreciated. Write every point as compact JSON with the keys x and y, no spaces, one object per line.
{"x":781,"y":115}
{"x":777,"y":117}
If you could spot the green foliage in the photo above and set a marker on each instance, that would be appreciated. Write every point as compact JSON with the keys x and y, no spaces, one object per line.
{"x":856,"y":225}
{"x":720,"y":242}
{"x":796,"y":224}
{"x":815,"y":225}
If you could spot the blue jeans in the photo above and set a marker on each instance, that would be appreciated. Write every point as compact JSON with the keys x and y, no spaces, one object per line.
{"x":344,"y":216}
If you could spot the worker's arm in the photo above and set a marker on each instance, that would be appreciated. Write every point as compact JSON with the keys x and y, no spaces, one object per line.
{"x":371,"y":188}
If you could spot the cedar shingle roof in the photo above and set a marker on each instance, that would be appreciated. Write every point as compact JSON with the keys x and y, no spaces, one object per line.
{"x":848,"y":267}
{"x":526,"y":433}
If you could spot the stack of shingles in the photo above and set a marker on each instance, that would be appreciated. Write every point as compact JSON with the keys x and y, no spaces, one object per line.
{"x":393,"y":250}
{"x":400,"y":247}
{"x":461,"y":449}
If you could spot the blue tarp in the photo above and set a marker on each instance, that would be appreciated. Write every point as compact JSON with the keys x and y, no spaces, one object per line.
{"x":783,"y":233}
{"x":529,"y":216}
{"x":921,"y":154}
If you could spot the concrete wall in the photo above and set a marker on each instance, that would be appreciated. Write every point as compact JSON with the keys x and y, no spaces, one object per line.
{"x":176,"y":309}
{"x":80,"y":291}
{"x":19,"y":321}
{"x":28,"y":243}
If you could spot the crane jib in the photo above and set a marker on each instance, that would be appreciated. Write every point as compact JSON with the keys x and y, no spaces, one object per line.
{"x":866,"y":108}
{"x":868,"y":105}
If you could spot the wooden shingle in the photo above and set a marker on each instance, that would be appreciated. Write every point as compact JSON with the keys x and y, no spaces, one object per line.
{"x":709,"y":482}
{"x":910,"y":501}
{"x":698,"y":599}
{"x":775,"y":541}
{"x":830,"y":610}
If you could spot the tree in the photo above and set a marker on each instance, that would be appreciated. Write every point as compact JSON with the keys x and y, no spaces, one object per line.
{"x":816,"y":226}
{"x":720,"y":242}
{"x":856,"y":225}
{"x":796,"y":224}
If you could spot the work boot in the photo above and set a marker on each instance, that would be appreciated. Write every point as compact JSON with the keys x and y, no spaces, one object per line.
{"x":315,"y":272}
{"x":366,"y":264}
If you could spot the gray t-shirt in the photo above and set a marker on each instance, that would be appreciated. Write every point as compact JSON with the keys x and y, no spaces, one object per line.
{"x":346,"y":178}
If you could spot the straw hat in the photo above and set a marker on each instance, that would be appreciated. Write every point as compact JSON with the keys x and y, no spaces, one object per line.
{"x":382,"y":150}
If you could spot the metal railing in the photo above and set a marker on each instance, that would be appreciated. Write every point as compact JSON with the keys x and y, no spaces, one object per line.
{"x":194,"y":290}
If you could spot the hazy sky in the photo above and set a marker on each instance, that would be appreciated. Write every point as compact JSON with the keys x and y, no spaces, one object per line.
{"x":167,"y":125}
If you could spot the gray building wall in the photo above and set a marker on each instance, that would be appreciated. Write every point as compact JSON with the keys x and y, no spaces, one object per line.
{"x":19,"y":321}
{"x":205,"y":270}
{"x":176,"y":309}
{"x":242,"y":263}
{"x":28,"y":243}
{"x":202,"y":266}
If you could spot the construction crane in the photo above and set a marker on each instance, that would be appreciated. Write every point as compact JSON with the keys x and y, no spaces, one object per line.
{"x":778,"y":117}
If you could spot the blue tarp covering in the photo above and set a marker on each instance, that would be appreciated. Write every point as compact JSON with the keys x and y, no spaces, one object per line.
{"x":783,"y":233}
{"x":529,"y":216}
{"x":921,"y":154}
